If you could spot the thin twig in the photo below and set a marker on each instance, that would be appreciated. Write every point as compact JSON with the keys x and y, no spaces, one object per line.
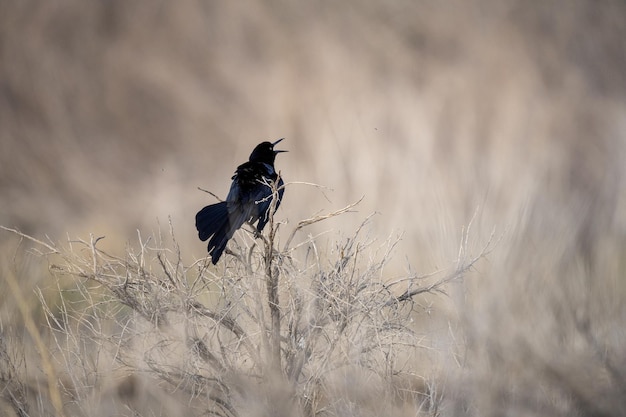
{"x":52,"y":249}
{"x":316,"y":219}
{"x":461,"y":269}
{"x":213,"y":194}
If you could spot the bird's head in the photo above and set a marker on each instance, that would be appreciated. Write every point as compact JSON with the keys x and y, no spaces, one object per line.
{"x":264,"y":152}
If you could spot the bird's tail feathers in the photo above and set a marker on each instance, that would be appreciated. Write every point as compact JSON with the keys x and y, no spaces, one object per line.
{"x":217,"y":244}
{"x":220,"y":224}
{"x":211,"y":219}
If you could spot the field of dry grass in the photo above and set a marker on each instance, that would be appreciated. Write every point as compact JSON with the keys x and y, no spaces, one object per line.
{"x":489,"y":137}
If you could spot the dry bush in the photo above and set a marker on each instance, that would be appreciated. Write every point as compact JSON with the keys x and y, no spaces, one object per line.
{"x":275,"y":330}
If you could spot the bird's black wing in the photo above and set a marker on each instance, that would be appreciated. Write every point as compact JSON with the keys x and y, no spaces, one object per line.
{"x":251,"y":192}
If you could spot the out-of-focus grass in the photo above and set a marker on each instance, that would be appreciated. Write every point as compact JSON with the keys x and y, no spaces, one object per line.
{"x":111,"y":115}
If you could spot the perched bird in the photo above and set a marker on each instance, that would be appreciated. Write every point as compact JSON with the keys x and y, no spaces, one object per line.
{"x":249,"y":199}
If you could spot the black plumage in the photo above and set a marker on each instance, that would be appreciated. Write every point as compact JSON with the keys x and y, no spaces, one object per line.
{"x":249,"y":199}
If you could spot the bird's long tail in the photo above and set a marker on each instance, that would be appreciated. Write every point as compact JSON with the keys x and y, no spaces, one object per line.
{"x":219,"y":224}
{"x":213,"y":221}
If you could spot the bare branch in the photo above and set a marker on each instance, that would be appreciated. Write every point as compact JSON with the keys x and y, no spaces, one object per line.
{"x":316,"y":219}
{"x":213,"y":194}
{"x":51,"y":248}
{"x":461,"y":268}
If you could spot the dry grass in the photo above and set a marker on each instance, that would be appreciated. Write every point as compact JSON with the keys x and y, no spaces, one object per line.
{"x":280,"y":331}
{"x":503,"y":114}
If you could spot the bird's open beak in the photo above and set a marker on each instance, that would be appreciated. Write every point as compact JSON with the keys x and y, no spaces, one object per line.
{"x":274,"y":144}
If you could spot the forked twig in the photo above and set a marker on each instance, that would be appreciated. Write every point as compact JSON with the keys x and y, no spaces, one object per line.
{"x":316,"y":219}
{"x":461,"y":269}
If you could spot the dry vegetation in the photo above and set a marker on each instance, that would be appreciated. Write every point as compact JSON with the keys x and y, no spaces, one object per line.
{"x":453,"y":119}
{"x":277,"y":331}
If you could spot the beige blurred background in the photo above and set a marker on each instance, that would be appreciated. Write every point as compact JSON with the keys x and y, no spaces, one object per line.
{"x":511,"y":112}
{"x":113,"y":113}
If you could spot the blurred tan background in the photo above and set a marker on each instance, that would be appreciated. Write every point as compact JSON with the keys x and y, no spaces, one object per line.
{"x":113,"y":113}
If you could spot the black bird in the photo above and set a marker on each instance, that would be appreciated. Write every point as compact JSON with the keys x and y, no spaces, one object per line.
{"x":249,"y":199}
